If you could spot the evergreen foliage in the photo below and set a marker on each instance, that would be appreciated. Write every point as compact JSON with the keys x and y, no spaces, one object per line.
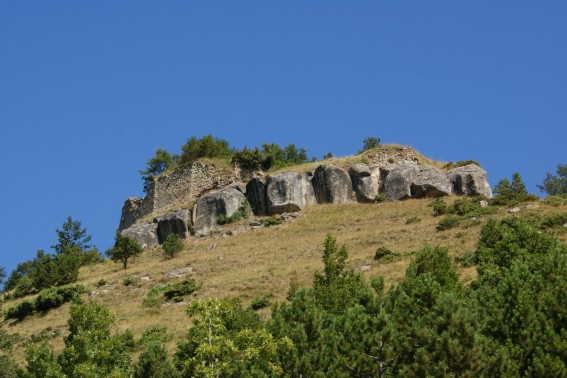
{"x":369,"y":143}
{"x":511,"y":193}
{"x":555,"y":185}
{"x":162,"y":161}
{"x":172,"y":245}
{"x":207,"y":146}
{"x":72,"y":234}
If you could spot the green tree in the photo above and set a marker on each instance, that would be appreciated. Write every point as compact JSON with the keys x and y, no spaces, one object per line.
{"x":206,"y":146}
{"x":125,"y":248}
{"x":507,"y":193}
{"x":370,"y":142}
{"x":154,"y":362}
{"x":72,"y":234}
{"x":2,"y":276}
{"x":162,"y":161}
{"x":338,"y":286}
{"x":555,"y":185}
{"x":172,"y":245}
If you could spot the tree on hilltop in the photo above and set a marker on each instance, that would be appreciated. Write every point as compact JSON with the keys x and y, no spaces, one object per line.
{"x":125,"y":248}
{"x":555,"y":185}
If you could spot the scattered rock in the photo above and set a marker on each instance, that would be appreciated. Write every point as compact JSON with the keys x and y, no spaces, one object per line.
{"x":365,"y":182}
{"x":514,"y":210}
{"x":176,"y":222}
{"x":470,"y":180}
{"x":288,"y":192}
{"x":211,"y":247}
{"x":255,"y":224}
{"x":483,"y":203}
{"x":145,"y":234}
{"x":430,"y":182}
{"x":179,"y":272}
{"x":256,"y":195}
{"x":332,"y":184}
{"x":365,"y":268}
{"x":145,"y":278}
{"x":565,"y":225}
{"x":208,"y":208}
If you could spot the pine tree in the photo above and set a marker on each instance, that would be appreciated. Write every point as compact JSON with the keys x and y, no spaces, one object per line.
{"x":72,"y":234}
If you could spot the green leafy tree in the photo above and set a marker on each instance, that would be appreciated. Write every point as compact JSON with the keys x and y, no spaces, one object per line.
{"x":555,"y":185}
{"x":162,"y":161}
{"x":125,"y":248}
{"x":172,"y":245}
{"x":8,"y":367}
{"x":507,"y":193}
{"x":206,"y":146}
{"x":370,"y":142}
{"x":2,"y":276}
{"x":217,"y":345}
{"x":72,"y":234}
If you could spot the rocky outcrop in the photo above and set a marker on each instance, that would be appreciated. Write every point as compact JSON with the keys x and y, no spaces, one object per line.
{"x":332,"y":184}
{"x":176,"y":222}
{"x":430,"y":182}
{"x":470,"y":180}
{"x":129,"y":210}
{"x":288,"y":192}
{"x":145,"y":234}
{"x":397,"y":180}
{"x":207,"y":210}
{"x":365,"y":182}
{"x":256,"y":195}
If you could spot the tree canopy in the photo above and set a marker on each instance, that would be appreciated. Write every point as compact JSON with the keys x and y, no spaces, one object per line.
{"x":555,"y":185}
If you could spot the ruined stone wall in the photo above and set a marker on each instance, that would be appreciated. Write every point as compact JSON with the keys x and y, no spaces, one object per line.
{"x":179,"y":188}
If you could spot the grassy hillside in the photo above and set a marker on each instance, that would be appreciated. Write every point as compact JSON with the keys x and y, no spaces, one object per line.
{"x":263,"y":262}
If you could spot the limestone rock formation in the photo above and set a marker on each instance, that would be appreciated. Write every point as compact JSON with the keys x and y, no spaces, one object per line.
{"x":176,"y":222}
{"x":145,"y":234}
{"x":365,"y":182}
{"x":255,"y":193}
{"x":288,"y":192}
{"x":332,"y":184}
{"x":397,"y":180}
{"x":209,"y":207}
{"x":128,"y":218}
{"x":470,"y":180}
{"x":430,"y":182}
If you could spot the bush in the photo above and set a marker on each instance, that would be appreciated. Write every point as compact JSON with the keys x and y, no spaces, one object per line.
{"x":554,"y":220}
{"x":369,"y":143}
{"x":172,"y":245}
{"x":510,"y":194}
{"x":248,"y":159}
{"x":384,"y":254}
{"x":173,"y":290}
{"x":271,"y":221}
{"x":467,"y":259}
{"x":102,"y":282}
{"x":448,"y":222}
{"x":260,"y":302}
{"x":242,"y":212}
{"x":439,"y":206}
{"x":207,"y":146}
{"x":461,"y":163}
{"x":555,"y":201}
{"x":131,"y":281}
{"x":413,"y":219}
{"x":380,"y":198}
{"x":46,"y":300}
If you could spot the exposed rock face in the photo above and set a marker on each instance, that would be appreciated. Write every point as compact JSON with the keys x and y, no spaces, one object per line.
{"x":430,"y":182}
{"x":145,"y":234}
{"x":176,"y":222}
{"x":288,"y":192}
{"x":128,"y":218}
{"x":255,"y":193}
{"x":397,"y":180}
{"x":365,"y":182}
{"x":332,"y":184}
{"x":470,"y":180}
{"x":209,"y":207}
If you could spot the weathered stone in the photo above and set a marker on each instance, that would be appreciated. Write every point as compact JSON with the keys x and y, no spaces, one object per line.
{"x":332,"y":184}
{"x":145,"y":234}
{"x":365,"y":182}
{"x":288,"y":192}
{"x":256,"y":195}
{"x":470,"y":180}
{"x":241,"y":187}
{"x":397,"y":180}
{"x":209,"y":207}
{"x":176,"y":222}
{"x":514,"y":210}
{"x":128,"y":218}
{"x":483,"y":203}
{"x":178,"y":272}
{"x":430,"y":182}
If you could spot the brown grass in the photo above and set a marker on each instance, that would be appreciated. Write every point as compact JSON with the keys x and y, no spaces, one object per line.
{"x":265,"y":261}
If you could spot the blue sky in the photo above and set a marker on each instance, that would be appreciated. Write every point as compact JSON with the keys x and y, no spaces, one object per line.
{"x":89,"y":90}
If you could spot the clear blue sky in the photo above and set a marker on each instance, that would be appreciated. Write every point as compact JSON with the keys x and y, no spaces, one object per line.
{"x":89,"y":90}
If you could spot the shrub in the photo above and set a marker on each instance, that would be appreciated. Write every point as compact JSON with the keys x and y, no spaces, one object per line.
{"x":248,"y":159}
{"x":439,"y":206}
{"x":384,"y":254}
{"x":154,"y":334}
{"x":271,"y":221}
{"x":45,"y":301}
{"x":380,"y":198}
{"x":467,"y":259}
{"x":242,"y":212}
{"x":260,"y":302}
{"x":172,"y":245}
{"x":207,"y":146}
{"x":102,"y":282}
{"x":20,"y":311}
{"x":448,"y":222}
{"x":509,"y":194}
{"x":151,"y":302}
{"x":185,"y":287}
{"x":369,"y":143}
{"x":413,"y":219}
{"x":461,"y":163}
{"x":554,"y":220}
{"x":131,"y":281}
{"x":555,"y":201}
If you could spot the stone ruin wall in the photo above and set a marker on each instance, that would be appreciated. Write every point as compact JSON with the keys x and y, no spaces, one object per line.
{"x":179,"y":188}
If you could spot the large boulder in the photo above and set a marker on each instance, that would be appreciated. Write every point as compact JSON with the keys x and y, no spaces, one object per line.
{"x":397,"y":180}
{"x":145,"y":234}
{"x":365,"y":182}
{"x":176,"y":222}
{"x":288,"y":192}
{"x":127,"y":217}
{"x":256,"y":195}
{"x":430,"y":182}
{"x":332,"y":184}
{"x":470,"y":180}
{"x":207,"y":210}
